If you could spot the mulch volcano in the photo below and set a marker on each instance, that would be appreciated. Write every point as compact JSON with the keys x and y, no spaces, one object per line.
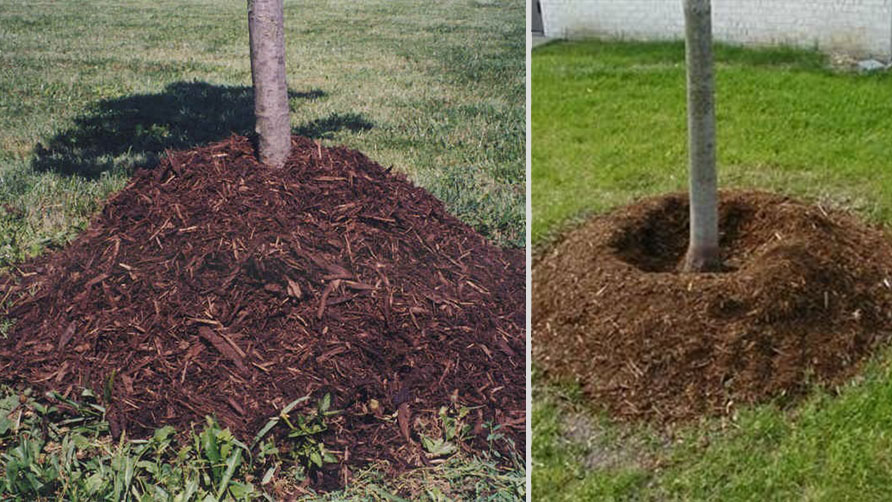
{"x":212,"y":285}
{"x":805,"y":296}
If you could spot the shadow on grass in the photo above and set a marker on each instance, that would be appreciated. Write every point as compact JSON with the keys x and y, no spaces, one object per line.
{"x":619,"y":52}
{"x":134,"y":131}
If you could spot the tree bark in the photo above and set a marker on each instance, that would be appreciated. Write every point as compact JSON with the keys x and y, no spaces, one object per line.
{"x":266,"y":31}
{"x":703,"y":250}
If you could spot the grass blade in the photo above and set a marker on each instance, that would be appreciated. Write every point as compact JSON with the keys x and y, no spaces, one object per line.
{"x":231,"y":464}
{"x":275,"y":420}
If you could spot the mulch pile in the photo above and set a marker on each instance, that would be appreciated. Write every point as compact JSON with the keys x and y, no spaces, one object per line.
{"x":806,"y":295}
{"x":212,"y":285}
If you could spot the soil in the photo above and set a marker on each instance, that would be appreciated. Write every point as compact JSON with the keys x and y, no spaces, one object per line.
{"x":212,"y":285}
{"x":804,"y":297}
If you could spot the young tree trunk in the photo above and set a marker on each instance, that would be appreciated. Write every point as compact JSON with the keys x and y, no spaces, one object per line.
{"x":703,"y":251}
{"x":266,"y":31}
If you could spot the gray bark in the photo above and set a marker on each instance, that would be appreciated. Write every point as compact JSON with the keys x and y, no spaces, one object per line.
{"x":266,"y":30}
{"x":703,"y":250}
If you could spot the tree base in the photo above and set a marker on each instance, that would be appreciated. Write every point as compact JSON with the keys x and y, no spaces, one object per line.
{"x":702,"y":260}
{"x":776,"y":322}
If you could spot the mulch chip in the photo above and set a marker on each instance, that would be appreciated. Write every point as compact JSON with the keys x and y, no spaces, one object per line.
{"x":212,"y":285}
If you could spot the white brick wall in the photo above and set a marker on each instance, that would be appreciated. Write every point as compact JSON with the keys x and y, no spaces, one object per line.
{"x":859,"y":27}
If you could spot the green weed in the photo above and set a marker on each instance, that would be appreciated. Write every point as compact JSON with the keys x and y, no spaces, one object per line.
{"x":55,"y":448}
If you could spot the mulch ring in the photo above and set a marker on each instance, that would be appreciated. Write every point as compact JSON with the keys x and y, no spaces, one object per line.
{"x":805,"y":296}
{"x":212,"y":285}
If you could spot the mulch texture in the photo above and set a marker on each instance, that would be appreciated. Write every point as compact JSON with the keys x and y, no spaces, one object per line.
{"x":212,"y":285}
{"x":805,"y":296}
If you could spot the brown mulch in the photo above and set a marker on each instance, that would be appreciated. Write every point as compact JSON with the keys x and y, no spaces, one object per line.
{"x":805,"y":297}
{"x":212,"y":285}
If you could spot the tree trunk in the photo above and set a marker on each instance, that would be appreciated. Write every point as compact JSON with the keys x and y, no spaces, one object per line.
{"x":703,"y":250}
{"x":266,"y":31}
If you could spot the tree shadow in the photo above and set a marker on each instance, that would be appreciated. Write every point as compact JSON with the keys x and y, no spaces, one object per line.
{"x":134,"y":131}
{"x":325,"y":127}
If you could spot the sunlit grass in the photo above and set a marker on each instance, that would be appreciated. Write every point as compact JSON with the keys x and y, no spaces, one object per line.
{"x":608,"y":125}
{"x":438,"y":86}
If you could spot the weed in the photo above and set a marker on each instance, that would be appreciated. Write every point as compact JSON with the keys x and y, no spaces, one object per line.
{"x":58,"y":448}
{"x":453,"y":431}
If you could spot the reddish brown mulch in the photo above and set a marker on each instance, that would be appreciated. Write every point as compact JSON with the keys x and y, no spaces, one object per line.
{"x":807,"y":295}
{"x":213,"y":285}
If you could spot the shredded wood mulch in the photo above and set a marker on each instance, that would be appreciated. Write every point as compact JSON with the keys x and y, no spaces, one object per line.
{"x":806,"y":296}
{"x":212,"y":285}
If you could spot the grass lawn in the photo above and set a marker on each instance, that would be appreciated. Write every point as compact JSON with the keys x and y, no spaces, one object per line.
{"x":435,"y":89}
{"x":91,"y":91}
{"x":608,"y":126}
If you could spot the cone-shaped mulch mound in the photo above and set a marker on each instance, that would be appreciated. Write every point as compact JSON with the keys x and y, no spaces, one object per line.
{"x":805,"y":295}
{"x":212,"y":285}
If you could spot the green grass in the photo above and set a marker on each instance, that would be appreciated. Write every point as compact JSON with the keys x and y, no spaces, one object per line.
{"x":830,"y":447}
{"x":608,"y":126}
{"x":435,"y":89}
{"x":90,"y":92}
